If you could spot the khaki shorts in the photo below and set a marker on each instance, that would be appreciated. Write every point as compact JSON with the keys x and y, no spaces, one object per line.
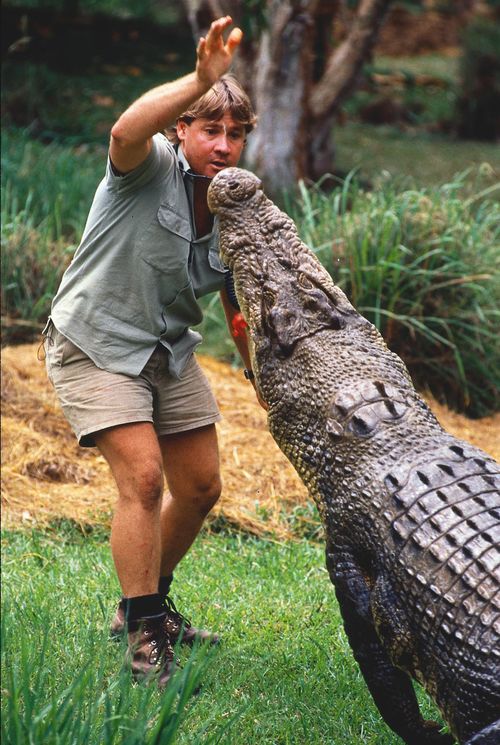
{"x":93,"y":399}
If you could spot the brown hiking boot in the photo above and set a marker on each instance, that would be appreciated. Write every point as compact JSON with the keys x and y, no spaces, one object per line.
{"x":117,"y":628}
{"x":176,"y":626}
{"x":150,"y":653}
{"x":179,"y":627}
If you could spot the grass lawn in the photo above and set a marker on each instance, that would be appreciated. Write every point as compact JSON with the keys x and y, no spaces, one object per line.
{"x":426,"y":159}
{"x":425,"y":156}
{"x":283,"y":674}
{"x":443,"y":66}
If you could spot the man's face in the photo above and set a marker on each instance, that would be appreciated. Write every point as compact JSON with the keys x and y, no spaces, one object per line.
{"x":210,"y":146}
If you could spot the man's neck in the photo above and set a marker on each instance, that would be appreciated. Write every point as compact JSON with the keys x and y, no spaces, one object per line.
{"x":203,"y":218}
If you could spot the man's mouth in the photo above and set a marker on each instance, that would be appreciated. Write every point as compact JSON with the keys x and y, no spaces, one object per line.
{"x":219,"y":163}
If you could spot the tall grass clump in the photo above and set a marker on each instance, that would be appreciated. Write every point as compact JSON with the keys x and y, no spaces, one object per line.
{"x":46,"y":195}
{"x":94,"y":706}
{"x":62,"y":678}
{"x":423,"y":266}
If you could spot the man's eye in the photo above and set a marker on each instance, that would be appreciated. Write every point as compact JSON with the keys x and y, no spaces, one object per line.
{"x":236,"y":136}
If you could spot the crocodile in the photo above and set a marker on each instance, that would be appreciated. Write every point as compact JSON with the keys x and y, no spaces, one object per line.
{"x":411,"y":514}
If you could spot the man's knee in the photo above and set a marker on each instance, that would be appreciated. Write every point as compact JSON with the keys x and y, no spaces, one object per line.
{"x":206,"y":492}
{"x":145,"y":486}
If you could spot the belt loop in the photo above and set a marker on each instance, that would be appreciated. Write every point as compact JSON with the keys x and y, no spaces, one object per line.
{"x":46,"y":335}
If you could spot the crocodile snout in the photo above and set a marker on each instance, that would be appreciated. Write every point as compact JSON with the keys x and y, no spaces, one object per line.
{"x":230,"y":186}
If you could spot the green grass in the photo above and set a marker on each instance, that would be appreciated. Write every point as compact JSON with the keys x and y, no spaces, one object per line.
{"x":428,"y":159}
{"x":444,"y":67}
{"x":283,"y":674}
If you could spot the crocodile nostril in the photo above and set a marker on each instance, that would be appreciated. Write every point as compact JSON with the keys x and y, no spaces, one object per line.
{"x":232,"y":185}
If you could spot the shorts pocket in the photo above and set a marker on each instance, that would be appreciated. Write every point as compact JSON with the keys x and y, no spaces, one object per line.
{"x":60,"y":351}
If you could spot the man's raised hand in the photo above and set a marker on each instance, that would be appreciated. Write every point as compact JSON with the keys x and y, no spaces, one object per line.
{"x":215,"y":55}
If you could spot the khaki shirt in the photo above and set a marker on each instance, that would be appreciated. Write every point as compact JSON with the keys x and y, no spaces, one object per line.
{"x":139,"y":269}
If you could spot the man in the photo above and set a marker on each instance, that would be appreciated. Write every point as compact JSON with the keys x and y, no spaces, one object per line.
{"x":119,"y":346}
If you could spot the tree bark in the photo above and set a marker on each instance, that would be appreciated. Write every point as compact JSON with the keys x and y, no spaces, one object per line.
{"x":277,"y":151}
{"x":345,"y":63}
{"x":295,"y":77}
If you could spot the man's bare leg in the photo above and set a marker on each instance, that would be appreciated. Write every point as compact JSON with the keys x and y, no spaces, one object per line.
{"x":134,"y":456}
{"x":191,"y":463}
{"x":143,"y":540}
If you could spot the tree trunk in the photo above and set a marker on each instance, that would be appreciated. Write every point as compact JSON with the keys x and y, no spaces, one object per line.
{"x":277,"y":150}
{"x":296,"y":80}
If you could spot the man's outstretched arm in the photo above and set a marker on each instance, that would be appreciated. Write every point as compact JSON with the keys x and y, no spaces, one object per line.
{"x":158,"y":108}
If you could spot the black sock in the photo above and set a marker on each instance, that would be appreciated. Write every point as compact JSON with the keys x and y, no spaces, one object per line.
{"x":164,"y":586}
{"x":142,"y":606}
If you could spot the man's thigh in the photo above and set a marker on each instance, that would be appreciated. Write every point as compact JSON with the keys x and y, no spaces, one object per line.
{"x":134,"y":456}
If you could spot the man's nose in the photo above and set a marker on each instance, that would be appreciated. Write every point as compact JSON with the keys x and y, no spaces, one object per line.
{"x":222,"y":144}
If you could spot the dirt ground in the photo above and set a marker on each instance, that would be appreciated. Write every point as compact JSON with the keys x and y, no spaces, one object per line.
{"x":46,"y":476}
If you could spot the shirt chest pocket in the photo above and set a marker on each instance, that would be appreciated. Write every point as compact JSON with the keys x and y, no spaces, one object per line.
{"x":166,"y":243}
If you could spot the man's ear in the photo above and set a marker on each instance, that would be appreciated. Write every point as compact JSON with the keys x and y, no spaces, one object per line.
{"x":181,"y":127}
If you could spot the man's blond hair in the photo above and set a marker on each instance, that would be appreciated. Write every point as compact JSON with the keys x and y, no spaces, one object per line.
{"x":225,"y":96}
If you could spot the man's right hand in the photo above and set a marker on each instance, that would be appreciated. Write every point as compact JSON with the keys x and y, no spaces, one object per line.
{"x":215,"y":56}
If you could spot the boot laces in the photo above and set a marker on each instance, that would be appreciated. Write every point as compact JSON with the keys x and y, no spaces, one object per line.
{"x":175,"y":615}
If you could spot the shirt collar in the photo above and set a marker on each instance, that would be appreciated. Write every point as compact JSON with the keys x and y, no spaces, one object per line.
{"x":185,"y":167}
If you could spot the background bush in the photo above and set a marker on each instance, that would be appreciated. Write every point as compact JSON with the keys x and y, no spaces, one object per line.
{"x":46,"y":194}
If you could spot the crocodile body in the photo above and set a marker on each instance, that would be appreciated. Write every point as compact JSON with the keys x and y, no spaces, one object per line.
{"x":411,"y":513}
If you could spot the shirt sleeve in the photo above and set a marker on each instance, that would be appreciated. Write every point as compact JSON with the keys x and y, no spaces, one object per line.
{"x":157,"y":164}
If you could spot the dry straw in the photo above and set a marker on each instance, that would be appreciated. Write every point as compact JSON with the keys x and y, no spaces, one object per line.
{"x":46,"y":476}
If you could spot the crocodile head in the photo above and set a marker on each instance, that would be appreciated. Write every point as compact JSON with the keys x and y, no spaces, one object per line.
{"x":285,"y":294}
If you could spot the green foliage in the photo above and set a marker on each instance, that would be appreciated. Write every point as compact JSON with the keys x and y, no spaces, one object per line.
{"x":429,"y":160}
{"x":423,"y":266}
{"x":53,"y":184}
{"x":216,"y":339}
{"x":479,"y":102}
{"x":407,"y":92}
{"x":443,"y":68}
{"x":254,"y":18}
{"x":284,"y":672}
{"x":46,"y":195}
{"x":43,"y":100}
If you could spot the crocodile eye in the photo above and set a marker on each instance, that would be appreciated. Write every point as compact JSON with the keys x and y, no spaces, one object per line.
{"x":305,"y":282}
{"x":269,"y":298}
